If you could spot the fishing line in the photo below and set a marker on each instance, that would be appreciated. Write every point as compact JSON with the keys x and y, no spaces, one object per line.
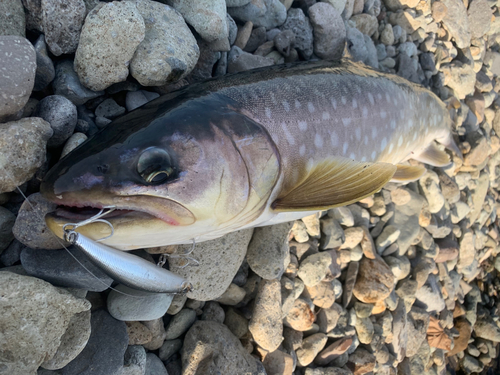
{"x":3,"y":163}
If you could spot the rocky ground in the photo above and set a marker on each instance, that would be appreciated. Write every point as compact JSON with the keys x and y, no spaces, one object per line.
{"x":405,"y":281}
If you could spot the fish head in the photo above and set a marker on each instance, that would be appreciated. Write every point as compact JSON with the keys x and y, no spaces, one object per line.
{"x":171,"y":177}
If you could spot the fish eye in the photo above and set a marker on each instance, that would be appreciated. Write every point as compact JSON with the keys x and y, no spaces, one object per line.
{"x":155,"y":165}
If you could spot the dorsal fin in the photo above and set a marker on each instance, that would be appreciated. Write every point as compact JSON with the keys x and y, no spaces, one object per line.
{"x":408,"y":173}
{"x":335,"y":182}
{"x":434,"y":156}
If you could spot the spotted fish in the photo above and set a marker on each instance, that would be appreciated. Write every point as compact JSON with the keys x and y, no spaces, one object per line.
{"x":249,"y":149}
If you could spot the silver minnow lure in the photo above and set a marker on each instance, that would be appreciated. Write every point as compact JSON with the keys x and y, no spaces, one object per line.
{"x":128,"y":269}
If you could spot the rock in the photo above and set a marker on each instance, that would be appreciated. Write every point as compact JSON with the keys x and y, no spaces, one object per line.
{"x":134,"y":361}
{"x":266,"y":13}
{"x":400,"y":4}
{"x":300,"y":317}
{"x":366,"y":23}
{"x":388,"y":236}
{"x":73,"y":142}
{"x":486,"y":328}
{"x":207,"y":18}
{"x":457,"y":23}
{"x":266,"y":322}
{"x":62,"y":22}
{"x":448,"y":250}
{"x":73,"y":341}
{"x":364,"y":330}
{"x":45,"y":71}
{"x":375,"y":281}
{"x":108,"y":40}
{"x":180,"y":323}
{"x":356,"y":41}
{"x":236,"y":323}
{"x":158,"y":334}
{"x":479,"y":18}
{"x":169,"y":348}
{"x":400,"y":266}
{"x":460,"y":78}
{"x":12,"y":18}
{"x":478,"y":196}
{"x":353,"y":237}
{"x":439,"y":11}
{"x":219,"y":261}
{"x":66,"y":83}
{"x":18,"y":61}
{"x":257,"y":37}
{"x":461,"y":342}
{"x":283,"y":42}
{"x":278,"y":362}
{"x":239,"y":61}
{"x":332,"y":234}
{"x":7,"y":220}
{"x":329,"y":31}
{"x":350,"y":280}
{"x":310,"y":348}
{"x":154,"y":365}
{"x":417,"y":324}
{"x":297,"y":22}
{"x":61,"y":269}
{"x":429,"y":296}
{"x":128,"y":304}
{"x":430,"y":187}
{"x":361,"y":362}
{"x":407,"y":21}
{"x":210,"y":347}
{"x":138,"y":333}
{"x":314,"y":268}
{"x":333,"y":351}
{"x":243,"y":35}
{"x":327,"y":318}
{"x":61,"y":114}
{"x":232,"y":296}
{"x":213,"y":311}
{"x":135,"y":99}
{"x":406,"y":219}
{"x":169,"y":50}
{"x":30,"y":228}
{"x":105,"y":349}
{"x":35,"y":315}
{"x":268,"y":250}
{"x":399,"y":331}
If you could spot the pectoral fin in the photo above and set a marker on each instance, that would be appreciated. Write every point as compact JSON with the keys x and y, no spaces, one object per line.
{"x":334,"y":183}
{"x":434,"y":156}
{"x":408,"y":173}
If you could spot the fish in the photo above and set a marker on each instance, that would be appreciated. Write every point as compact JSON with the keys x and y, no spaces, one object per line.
{"x":249,"y":149}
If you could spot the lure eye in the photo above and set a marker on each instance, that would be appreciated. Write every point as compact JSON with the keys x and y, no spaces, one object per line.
{"x":155,"y":165}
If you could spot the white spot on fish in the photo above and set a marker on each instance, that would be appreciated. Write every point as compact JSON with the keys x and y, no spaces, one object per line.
{"x":393,"y":124}
{"x":391,"y":146}
{"x":365,"y":112}
{"x":310,"y":107}
{"x":374,"y":155}
{"x":371,"y":99}
{"x":363,"y":158}
{"x":383,"y":144}
{"x":343,"y":100}
{"x":303,"y":125}
{"x":346,"y":121}
{"x":297,"y":104}
{"x":325,"y":116}
{"x":318,"y":141}
{"x":352,"y":156}
{"x":410,"y":123}
{"x":354,"y":104}
{"x":387,"y":97}
{"x":268,"y":112}
{"x":334,"y":139}
{"x":345,"y":147}
{"x":288,"y":135}
{"x":379,"y":96}
{"x":286,"y":106}
{"x":366,"y":140}
{"x":400,"y":141}
{"x":414,"y":136}
{"x":374,"y":132}
{"x":358,"y":133}
{"x":383,"y":114}
{"x":302,"y":150}
{"x":334,"y":103}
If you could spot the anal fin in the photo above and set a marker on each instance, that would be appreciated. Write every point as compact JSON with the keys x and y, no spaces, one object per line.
{"x":434,"y":156}
{"x":408,"y":173}
{"x":334,"y":182}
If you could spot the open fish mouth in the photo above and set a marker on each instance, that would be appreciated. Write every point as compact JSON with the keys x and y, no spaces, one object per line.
{"x":75,"y":214}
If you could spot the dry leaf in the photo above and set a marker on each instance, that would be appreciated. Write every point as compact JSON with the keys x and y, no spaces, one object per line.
{"x":436,"y":336}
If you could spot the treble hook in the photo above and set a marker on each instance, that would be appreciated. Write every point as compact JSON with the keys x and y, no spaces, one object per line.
{"x":190,"y":260}
{"x":94,"y":219}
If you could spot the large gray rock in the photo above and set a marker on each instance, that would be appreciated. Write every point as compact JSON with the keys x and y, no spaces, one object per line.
{"x":7,"y":220}
{"x":34,"y":316}
{"x":303,"y":30}
{"x":219,"y":261}
{"x":23,"y":146}
{"x":329,"y":31}
{"x":267,"y":13}
{"x":12,"y":18}
{"x":109,"y":38}
{"x":169,"y":50}
{"x":457,"y":23}
{"x":45,"y":71}
{"x":479,"y":16}
{"x":208,"y":17}
{"x":62,"y":22}
{"x":209,"y":347}
{"x":268,"y":251}
{"x":18,"y":64}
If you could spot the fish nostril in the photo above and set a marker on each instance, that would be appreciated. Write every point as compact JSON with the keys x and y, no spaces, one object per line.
{"x":103,"y":168}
